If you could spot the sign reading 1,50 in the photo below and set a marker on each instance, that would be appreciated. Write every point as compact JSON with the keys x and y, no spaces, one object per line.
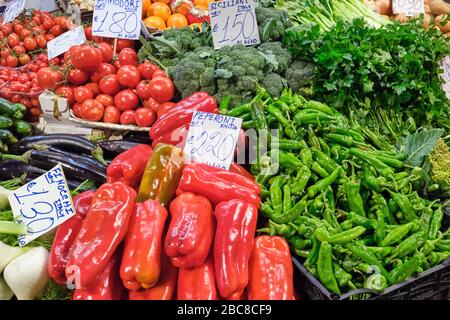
{"x":239,"y":21}
{"x":121,"y":22}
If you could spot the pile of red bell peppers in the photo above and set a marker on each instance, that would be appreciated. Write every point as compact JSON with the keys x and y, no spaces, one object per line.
{"x":164,"y":229}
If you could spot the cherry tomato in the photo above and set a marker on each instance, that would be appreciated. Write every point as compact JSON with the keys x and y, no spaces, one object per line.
{"x":23,"y":78}
{"x":86,"y":58}
{"x":48,"y":24}
{"x":41,"y":41}
{"x":164,"y":107}
{"x":18,"y":50}
{"x":103,"y":70}
{"x":147,"y":69}
{"x":107,"y":51}
{"x":35,"y":102}
{"x":82,"y":94}
{"x":77,"y":77}
{"x":128,"y":76}
{"x":26,"y":33}
{"x":56,"y":30}
{"x":26,"y":102}
{"x":12,"y":61}
{"x":34,"y":114}
{"x":92,"y":110}
{"x":66,"y":92}
{"x":13,"y":40}
{"x":15,"y":98}
{"x":128,"y":57}
{"x":144,"y":117}
{"x":127,"y":118}
{"x":111,"y":115}
{"x":54,"y":62}
{"x":143,"y":89}
{"x":49,"y":37}
{"x":124,"y":43}
{"x":158,"y":74}
{"x":126,"y":100}
{"x":5,"y":52}
{"x":93,"y":87}
{"x":105,"y":99}
{"x":162,"y":89}
{"x":24,"y":59}
{"x":88,"y":33}
{"x":30,"y":43}
{"x":7,"y":29}
{"x":18,"y":28}
{"x":109,"y":84}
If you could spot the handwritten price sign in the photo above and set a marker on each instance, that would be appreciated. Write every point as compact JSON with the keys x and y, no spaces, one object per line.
{"x":233,"y":22}
{"x":212,"y":139}
{"x":13,"y":9}
{"x":42,"y":204}
{"x":408,"y":7}
{"x":117,"y":19}
{"x":445,"y":63}
{"x":64,"y":42}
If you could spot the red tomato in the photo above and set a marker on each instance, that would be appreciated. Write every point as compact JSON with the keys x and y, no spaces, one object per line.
{"x":18,"y":28}
{"x":48,"y":24}
{"x":16,"y":98}
{"x":152,"y":104}
{"x":30,"y":43}
{"x":162,"y":89}
{"x":67,"y":92}
{"x":88,"y":33}
{"x":26,"y":33}
{"x":26,"y":102}
{"x":13,"y":40}
{"x":54,"y":62}
{"x":143,"y":89}
{"x":93,"y":87}
{"x":56,"y":30}
{"x":35,"y":102}
{"x":61,"y":21}
{"x":76,"y":109}
{"x":86,"y":58}
{"x":147,"y":69}
{"x":82,"y":94}
{"x":164,"y":107}
{"x":103,"y":70}
{"x":109,"y":85}
{"x":116,"y":64}
{"x":127,"y":117}
{"x":128,"y":57}
{"x":18,"y":50}
{"x":158,"y":74}
{"x":105,"y":99}
{"x":24,"y":59}
{"x":126,"y":100}
{"x":112,"y":115}
{"x":128,"y":76}
{"x":144,"y":117}
{"x":49,"y":37}
{"x":124,"y":43}
{"x":7,"y":29}
{"x":23,"y":78}
{"x":92,"y":110}
{"x":5,"y":52}
{"x":41,"y":41}
{"x":12,"y":61}
{"x":107,"y":51}
{"x":77,"y":77}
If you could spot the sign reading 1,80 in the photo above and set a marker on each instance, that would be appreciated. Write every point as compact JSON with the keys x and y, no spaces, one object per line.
{"x":233,"y":22}
{"x":408,"y":7}
{"x":117,"y":19}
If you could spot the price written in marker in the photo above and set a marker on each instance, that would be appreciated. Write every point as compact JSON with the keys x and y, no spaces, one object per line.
{"x":117,"y":19}
{"x":13,"y":9}
{"x":408,"y":7}
{"x":445,"y":64}
{"x":64,"y":42}
{"x":212,"y":139}
{"x":233,"y":22}
{"x":42,"y":204}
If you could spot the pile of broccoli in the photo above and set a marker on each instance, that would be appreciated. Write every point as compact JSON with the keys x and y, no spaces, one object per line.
{"x":440,"y":167}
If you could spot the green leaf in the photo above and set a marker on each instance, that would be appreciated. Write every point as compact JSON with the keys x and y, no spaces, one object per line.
{"x":419,"y":145}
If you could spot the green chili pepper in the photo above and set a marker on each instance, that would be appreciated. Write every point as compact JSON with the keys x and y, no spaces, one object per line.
{"x":286,"y":198}
{"x":393,"y":208}
{"x":395,"y":163}
{"x":342,"y":276}
{"x":381,"y":252}
{"x":346,"y":225}
{"x":372,"y":182}
{"x":223,"y":108}
{"x":299,"y":243}
{"x":397,"y":234}
{"x":277,"y":114}
{"x":276,"y":194}
{"x":315,"y":105}
{"x":339,"y":238}
{"x":383,"y":206}
{"x":407,"y":269}
{"x":314,"y":253}
{"x":438,"y":257}
{"x":238,"y":111}
{"x":248,"y":124}
{"x":324,"y":183}
{"x":325,"y":147}
{"x":302,"y":253}
{"x":405,"y":206}
{"x":443,"y":245}
{"x":435,"y":223}
{"x":325,"y":268}
{"x":313,"y":141}
{"x":306,"y":156}
{"x":380,"y":230}
{"x":282,"y":229}
{"x":361,"y":221}
{"x":325,"y":161}
{"x":289,"y":161}
{"x":346,"y":141}
{"x":319,"y":170}
{"x":291,"y":145}
{"x":376,"y":282}
{"x":355,"y":202}
{"x":409,"y":245}
{"x":290,"y":215}
{"x":385,"y":170}
{"x":301,"y":180}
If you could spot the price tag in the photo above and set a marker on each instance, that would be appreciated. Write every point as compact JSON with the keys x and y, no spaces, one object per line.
{"x":13,"y":9}
{"x":117,"y":19}
{"x":212,"y":139}
{"x":42,"y":204}
{"x":233,"y":22}
{"x":64,"y":42}
{"x":445,"y":63}
{"x":408,"y":7}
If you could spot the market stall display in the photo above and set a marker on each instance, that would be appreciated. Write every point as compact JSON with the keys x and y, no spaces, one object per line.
{"x":340,"y":183}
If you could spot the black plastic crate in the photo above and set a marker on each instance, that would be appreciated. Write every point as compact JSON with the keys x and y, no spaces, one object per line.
{"x":432,"y":284}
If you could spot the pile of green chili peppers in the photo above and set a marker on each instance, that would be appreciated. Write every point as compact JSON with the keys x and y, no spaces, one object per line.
{"x":348,"y":209}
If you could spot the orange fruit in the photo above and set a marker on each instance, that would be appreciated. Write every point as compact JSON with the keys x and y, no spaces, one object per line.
{"x":177,"y":20}
{"x":159,"y":9}
{"x":163,"y":1}
{"x":155,"y":22}
{"x":145,"y":5}
{"x":202,"y":2}
{"x":196,"y":25}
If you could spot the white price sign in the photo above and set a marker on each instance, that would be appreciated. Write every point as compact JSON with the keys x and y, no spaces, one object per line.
{"x":64,"y":42}
{"x":212,"y":139}
{"x":408,"y":7}
{"x":13,"y":9}
{"x":445,"y":63}
{"x":233,"y":22}
{"x":42,"y":204}
{"x":117,"y":19}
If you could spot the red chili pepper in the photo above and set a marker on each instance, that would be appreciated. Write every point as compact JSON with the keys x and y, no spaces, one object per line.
{"x":270,"y":271}
{"x":129,"y":166}
{"x":65,"y":236}
{"x":107,"y":287}
{"x":197,"y":283}
{"x":103,"y":229}
{"x":218,"y":185}
{"x":141,"y":261}
{"x":236,"y":225}
{"x":164,"y":289}
{"x":191,"y":231}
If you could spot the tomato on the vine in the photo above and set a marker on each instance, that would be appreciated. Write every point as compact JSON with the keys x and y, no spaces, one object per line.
{"x":109,"y":84}
{"x":56,"y":30}
{"x":77,"y":77}
{"x":24,"y":59}
{"x":159,"y":74}
{"x":128,"y":76}
{"x":7,"y":29}
{"x":49,"y":37}
{"x":5,"y":52}
{"x":82,"y":94}
{"x":144,"y":117}
{"x":18,"y":28}
{"x":127,"y":117}
{"x":13,"y":40}
{"x":30,"y":43}
{"x":48,"y":78}
{"x":48,"y":24}
{"x":111,"y":115}
{"x":12,"y":61}
{"x":126,"y":100}
{"x":26,"y":33}
{"x":41,"y":41}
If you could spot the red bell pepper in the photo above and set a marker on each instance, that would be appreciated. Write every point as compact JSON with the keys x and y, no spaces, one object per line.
{"x":191,"y":231}
{"x":141,"y":261}
{"x":103,"y":229}
{"x":129,"y":166}
{"x":107,"y":287}
{"x":176,"y":137}
{"x":164,"y":289}
{"x":236,"y":225}
{"x":217,"y":184}
{"x":65,"y":236}
{"x":197,"y":283}
{"x":236,"y":168}
{"x":270,"y":271}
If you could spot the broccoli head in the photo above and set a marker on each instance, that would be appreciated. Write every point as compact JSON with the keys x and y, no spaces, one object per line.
{"x":277,"y":58}
{"x":299,"y":74}
{"x":271,"y":23}
{"x":440,"y":166}
{"x":274,"y":84}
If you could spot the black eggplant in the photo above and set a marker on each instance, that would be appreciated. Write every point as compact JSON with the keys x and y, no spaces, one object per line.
{"x":112,"y":148}
{"x":73,"y":169}
{"x":136,"y":136}
{"x":10,"y":169}
{"x":67,"y":142}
